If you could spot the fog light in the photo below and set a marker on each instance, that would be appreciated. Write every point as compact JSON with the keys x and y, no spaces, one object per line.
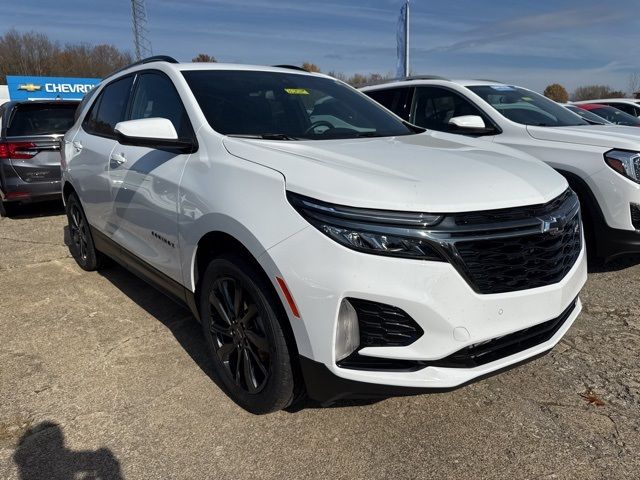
{"x":348,"y":331}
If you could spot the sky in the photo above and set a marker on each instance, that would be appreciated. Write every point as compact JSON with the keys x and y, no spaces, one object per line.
{"x":528,"y":43}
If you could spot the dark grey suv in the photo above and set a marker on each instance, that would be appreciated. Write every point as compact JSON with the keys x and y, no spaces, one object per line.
{"x":30,"y":132}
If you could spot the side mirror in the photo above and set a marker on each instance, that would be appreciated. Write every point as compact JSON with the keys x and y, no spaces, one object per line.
{"x":471,"y":124}
{"x":468,"y":121}
{"x":158,"y":133}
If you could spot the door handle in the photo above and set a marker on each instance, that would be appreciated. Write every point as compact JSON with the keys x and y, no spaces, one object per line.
{"x":117,"y":159}
{"x":78,"y":146}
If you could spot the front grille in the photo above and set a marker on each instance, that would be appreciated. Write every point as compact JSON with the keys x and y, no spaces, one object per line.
{"x":502,"y":347}
{"x":518,"y":249}
{"x":472,"y":356}
{"x":383,"y":325}
{"x":635,"y":216}
{"x":519,"y":263}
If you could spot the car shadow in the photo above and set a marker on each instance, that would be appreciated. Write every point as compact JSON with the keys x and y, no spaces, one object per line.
{"x":37,"y":209}
{"x":615,"y":265}
{"x":41,"y":454}
{"x":188,"y":332}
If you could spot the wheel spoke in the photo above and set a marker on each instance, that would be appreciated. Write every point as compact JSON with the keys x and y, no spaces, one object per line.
{"x":224,"y":352}
{"x":249,"y":314}
{"x":237,"y":299}
{"x":214,"y":327}
{"x":258,"y":362}
{"x":249,"y":375}
{"x":217,"y":305}
{"x":261,"y":343}
{"x":224,"y":288}
{"x":236,"y":376}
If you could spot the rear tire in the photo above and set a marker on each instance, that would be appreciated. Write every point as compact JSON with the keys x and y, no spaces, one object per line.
{"x":8,"y":209}
{"x":81,"y":244}
{"x":241,"y":320}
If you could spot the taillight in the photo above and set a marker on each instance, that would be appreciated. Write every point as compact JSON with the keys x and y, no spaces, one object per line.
{"x":18,"y":150}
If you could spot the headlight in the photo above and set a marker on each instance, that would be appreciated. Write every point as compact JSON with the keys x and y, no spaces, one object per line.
{"x":381,"y":232}
{"x":624,"y":162}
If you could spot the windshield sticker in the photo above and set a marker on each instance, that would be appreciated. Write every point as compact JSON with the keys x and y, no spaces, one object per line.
{"x":503,"y":88}
{"x":296,"y":91}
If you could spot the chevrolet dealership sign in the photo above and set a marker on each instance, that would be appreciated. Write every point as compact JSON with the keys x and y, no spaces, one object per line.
{"x":34,"y":88}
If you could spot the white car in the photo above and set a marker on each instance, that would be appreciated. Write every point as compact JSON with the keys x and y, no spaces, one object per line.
{"x":627,"y":105}
{"x":325,"y":245}
{"x":601,"y":162}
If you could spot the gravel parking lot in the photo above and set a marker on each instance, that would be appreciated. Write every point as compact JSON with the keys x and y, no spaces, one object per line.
{"x":104,"y":377}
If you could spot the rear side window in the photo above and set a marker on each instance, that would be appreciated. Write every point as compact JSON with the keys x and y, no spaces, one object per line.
{"x":156,"y":97}
{"x":398,"y":100}
{"x":109,"y":108}
{"x":40,"y":119}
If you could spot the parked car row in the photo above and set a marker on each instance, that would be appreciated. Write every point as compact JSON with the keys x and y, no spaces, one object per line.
{"x":331,"y":247}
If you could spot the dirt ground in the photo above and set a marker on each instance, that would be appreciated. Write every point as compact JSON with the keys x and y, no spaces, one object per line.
{"x":103,"y":377}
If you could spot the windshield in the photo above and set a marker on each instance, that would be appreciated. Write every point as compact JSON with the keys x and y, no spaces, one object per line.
{"x":526,"y":107}
{"x":616,"y":116}
{"x":587,"y":115}
{"x":288,"y":106}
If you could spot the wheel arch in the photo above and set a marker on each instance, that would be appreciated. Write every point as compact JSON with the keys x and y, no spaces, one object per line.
{"x":215,"y":243}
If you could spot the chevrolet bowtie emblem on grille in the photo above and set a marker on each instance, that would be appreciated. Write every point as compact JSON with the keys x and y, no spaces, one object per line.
{"x":554,"y":226}
{"x":29,"y":87}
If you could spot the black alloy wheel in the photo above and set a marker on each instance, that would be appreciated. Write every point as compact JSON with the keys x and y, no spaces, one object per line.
{"x":239,"y":333}
{"x":81,"y":243}
{"x":243,"y":322}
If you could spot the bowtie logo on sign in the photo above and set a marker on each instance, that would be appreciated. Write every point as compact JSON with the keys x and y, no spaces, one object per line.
{"x":29,"y":87}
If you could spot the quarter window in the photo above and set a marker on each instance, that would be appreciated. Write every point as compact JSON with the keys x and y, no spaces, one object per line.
{"x":109,"y":108}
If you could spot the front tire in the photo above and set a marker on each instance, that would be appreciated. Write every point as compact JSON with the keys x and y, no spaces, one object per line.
{"x":81,"y":244}
{"x":241,"y":321}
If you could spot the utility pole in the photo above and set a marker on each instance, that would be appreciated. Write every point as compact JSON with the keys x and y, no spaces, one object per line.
{"x":406,"y":42}
{"x":141,"y":43}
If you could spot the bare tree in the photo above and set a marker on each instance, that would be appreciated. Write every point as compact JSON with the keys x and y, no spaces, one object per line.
{"x":33,"y":53}
{"x":591,"y":92}
{"x":634,"y":84}
{"x":204,"y":57}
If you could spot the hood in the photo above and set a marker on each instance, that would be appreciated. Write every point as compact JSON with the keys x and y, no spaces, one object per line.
{"x":606,"y":136}
{"x":428,"y":172}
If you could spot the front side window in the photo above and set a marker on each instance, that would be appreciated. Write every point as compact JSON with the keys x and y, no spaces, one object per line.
{"x":526,"y":107}
{"x":625,"y":107}
{"x":109,"y":108}
{"x":587,"y":115}
{"x":156,"y":97}
{"x":434,"y":107}
{"x":278,"y":105}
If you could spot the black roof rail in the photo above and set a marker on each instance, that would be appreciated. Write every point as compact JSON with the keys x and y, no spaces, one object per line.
{"x":291,"y":67}
{"x":155,"y":58}
{"x":486,"y":80}
{"x":420,"y":77}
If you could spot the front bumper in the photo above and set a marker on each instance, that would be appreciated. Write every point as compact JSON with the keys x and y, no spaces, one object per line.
{"x":320,"y":273}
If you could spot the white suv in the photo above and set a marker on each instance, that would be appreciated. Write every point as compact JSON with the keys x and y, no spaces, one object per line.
{"x":326,"y":246}
{"x":601,"y":162}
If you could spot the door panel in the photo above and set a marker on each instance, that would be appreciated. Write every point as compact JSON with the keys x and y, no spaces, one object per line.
{"x":144,"y":188}
{"x":145,"y":181}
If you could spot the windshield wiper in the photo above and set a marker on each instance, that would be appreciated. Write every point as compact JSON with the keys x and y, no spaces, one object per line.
{"x":264,"y":136}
